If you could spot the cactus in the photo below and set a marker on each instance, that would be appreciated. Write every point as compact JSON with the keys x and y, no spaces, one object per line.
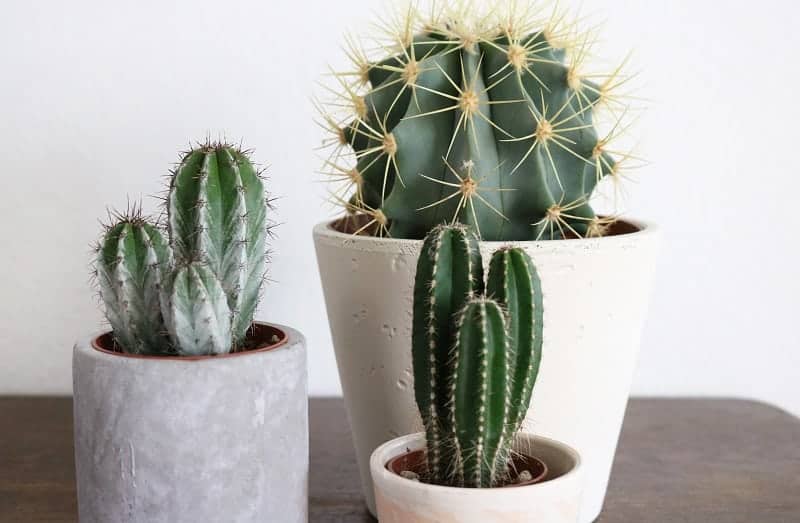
{"x":217,"y":213}
{"x":482,"y":118}
{"x":132,"y":259}
{"x":195,"y":294}
{"x":475,"y":355}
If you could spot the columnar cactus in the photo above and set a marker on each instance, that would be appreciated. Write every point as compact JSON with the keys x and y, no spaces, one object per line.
{"x":218,"y":214}
{"x":132,"y":260}
{"x":476,"y":356}
{"x":197,"y":293}
{"x":483,"y":118}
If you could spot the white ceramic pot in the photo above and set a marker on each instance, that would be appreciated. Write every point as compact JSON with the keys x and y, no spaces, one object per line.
{"x":596,"y":293}
{"x":173,"y":440}
{"x":555,"y":500}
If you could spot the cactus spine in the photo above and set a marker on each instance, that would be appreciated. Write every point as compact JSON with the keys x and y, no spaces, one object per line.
{"x":481,"y":394}
{"x":475,"y":356}
{"x":197,"y":293}
{"x":483,"y":118}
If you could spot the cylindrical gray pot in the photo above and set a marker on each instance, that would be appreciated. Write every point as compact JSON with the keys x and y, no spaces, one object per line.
{"x":192,"y":440}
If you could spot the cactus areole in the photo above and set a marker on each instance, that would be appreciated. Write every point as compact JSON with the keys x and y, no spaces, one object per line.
{"x":484,"y":117}
{"x":190,"y":289}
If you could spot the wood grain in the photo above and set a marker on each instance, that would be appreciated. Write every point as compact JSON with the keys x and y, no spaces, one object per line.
{"x":705,"y":461}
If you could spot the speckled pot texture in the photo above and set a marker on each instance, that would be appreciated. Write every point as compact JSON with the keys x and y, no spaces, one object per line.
{"x":178,"y":440}
{"x":596,"y":293}
{"x":555,"y":500}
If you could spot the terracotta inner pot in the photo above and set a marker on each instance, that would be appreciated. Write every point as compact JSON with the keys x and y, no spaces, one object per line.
{"x":351,"y":224}
{"x":415,"y":462}
{"x":261,"y":338}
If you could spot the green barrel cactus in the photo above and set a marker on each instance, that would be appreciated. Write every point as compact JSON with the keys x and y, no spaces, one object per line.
{"x":476,"y":350}
{"x":195,"y":293}
{"x":482,"y":118}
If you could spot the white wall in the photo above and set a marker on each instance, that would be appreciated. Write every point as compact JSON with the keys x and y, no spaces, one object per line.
{"x":97,"y":97}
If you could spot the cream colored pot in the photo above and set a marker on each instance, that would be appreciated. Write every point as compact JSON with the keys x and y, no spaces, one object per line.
{"x":595,"y":300}
{"x":556,"y":500}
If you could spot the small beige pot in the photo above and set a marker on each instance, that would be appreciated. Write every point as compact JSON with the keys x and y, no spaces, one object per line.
{"x":555,"y":500}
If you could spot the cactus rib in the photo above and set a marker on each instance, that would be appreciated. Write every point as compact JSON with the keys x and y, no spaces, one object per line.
{"x":196,"y":293}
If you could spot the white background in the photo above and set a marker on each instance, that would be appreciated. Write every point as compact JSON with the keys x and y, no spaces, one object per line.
{"x":97,"y":97}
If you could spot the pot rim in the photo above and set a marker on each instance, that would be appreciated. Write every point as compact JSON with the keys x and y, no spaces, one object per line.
{"x":284,"y":339}
{"x":645,"y":228}
{"x":536,"y":479}
{"x":411,"y":442}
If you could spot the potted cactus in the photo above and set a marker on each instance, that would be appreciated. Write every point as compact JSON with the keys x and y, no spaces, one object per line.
{"x":476,"y":352}
{"x":485,"y":117}
{"x":187,"y":410}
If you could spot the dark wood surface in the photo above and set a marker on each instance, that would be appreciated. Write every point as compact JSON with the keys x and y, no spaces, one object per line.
{"x":704,"y":461}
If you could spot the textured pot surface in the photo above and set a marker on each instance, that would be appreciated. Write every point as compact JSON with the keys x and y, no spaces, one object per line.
{"x":214,"y":439}
{"x":556,"y":500}
{"x":596,"y":293}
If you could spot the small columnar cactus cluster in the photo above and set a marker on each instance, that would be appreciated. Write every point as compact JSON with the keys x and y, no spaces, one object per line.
{"x":476,"y":351}
{"x":483,"y":117}
{"x":193,"y":290}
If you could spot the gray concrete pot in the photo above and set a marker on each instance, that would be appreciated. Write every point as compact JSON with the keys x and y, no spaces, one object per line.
{"x":192,"y":440}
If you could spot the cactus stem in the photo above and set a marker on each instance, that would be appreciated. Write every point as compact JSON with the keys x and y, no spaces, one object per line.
{"x":431,"y":318}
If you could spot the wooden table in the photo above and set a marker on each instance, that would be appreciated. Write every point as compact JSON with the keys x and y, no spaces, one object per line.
{"x":703,"y":461}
